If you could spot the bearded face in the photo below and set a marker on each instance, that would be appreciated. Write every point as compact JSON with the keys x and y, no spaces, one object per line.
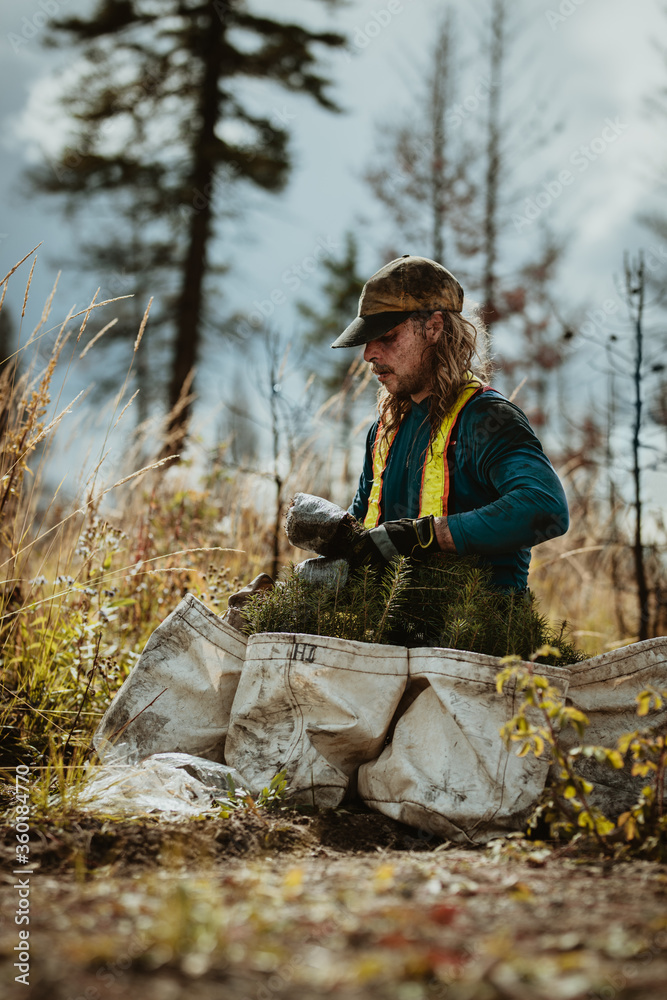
{"x":401,"y":359}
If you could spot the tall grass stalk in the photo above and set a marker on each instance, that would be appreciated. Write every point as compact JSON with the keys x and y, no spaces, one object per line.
{"x":87,"y":575}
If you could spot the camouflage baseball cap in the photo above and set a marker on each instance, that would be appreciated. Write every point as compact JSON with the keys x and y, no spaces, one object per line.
{"x":401,"y":288}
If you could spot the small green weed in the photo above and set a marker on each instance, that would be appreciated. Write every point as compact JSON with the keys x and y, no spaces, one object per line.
{"x":566,"y":806}
{"x":273,"y":795}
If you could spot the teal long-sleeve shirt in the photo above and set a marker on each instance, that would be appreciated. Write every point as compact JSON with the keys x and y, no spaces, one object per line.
{"x":504,"y":497}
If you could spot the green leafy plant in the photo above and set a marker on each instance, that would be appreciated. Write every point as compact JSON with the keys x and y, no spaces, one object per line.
{"x":644,"y":826}
{"x":269,"y":797}
{"x":566,"y":804}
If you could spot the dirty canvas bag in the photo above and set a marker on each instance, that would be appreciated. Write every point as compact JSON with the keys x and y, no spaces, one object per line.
{"x":447,"y":770}
{"x":605,"y":689}
{"x":178,"y":695}
{"x":315,"y":707}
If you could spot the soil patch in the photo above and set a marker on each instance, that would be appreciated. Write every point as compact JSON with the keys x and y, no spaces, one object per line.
{"x":290,"y":906}
{"x":86,"y":843}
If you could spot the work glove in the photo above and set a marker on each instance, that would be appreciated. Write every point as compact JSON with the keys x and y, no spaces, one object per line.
{"x":412,"y":538}
{"x":237,"y":601}
{"x":378,"y":546}
{"x":312,"y":523}
{"x":325,"y":528}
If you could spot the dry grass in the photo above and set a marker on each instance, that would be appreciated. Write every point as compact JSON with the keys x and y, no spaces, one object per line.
{"x":587,"y":577}
{"x":86,"y":578}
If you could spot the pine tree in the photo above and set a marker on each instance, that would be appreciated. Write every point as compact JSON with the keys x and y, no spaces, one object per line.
{"x":340,"y":291}
{"x":446,"y":602}
{"x":164,"y":134}
{"x":341,"y":376}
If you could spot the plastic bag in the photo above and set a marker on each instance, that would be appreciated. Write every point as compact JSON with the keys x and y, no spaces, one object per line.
{"x":173,"y":784}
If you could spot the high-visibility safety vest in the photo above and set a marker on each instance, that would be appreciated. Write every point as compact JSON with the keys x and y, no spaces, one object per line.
{"x":435,"y":485}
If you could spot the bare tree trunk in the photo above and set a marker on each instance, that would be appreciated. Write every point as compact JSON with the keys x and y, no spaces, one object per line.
{"x":9,"y":365}
{"x":635,"y":284}
{"x":440,"y":97}
{"x":275,"y":440}
{"x":425,"y":174}
{"x":613,"y":500}
{"x":189,"y":304}
{"x":493,"y":166}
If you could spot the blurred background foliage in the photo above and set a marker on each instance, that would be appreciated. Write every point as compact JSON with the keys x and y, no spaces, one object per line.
{"x":172,"y":128}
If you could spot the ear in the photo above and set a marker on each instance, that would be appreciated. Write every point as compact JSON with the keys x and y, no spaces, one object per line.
{"x":434,"y":327}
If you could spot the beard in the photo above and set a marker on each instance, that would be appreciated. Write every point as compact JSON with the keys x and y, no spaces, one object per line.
{"x":409,"y":384}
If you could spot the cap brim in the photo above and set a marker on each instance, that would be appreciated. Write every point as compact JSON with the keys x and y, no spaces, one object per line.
{"x":366,"y":328}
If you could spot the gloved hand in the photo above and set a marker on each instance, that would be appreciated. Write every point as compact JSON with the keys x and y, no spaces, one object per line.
{"x":319,"y":525}
{"x":325,"y":528}
{"x":412,"y":538}
{"x":236,"y":602}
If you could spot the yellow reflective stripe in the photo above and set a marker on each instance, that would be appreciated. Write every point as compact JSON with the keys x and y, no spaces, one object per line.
{"x":434,"y":495}
{"x":380,"y":452}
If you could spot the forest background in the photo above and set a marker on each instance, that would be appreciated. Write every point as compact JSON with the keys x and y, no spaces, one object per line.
{"x":521,"y":144}
{"x":228,"y":172}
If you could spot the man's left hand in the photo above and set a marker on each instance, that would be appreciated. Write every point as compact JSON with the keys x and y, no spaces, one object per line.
{"x":415,"y":539}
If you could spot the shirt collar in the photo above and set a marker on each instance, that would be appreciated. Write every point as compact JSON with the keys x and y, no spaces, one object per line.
{"x":422,"y":408}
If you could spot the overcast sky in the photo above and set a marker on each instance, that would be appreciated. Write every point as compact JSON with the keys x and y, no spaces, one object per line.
{"x":594,"y":62}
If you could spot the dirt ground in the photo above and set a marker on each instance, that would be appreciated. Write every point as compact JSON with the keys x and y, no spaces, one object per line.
{"x":335,"y":904}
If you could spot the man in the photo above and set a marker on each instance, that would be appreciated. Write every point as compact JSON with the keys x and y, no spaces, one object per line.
{"x":450,"y":465}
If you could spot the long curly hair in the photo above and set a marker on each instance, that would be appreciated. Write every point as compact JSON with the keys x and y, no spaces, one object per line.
{"x":458,"y":353}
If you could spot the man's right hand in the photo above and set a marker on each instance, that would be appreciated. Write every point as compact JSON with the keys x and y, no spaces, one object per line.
{"x":330,"y":531}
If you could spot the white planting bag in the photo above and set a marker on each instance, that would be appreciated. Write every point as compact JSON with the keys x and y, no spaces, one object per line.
{"x":605,"y":689}
{"x":315,"y":707}
{"x":447,"y":769}
{"x":177,"y":697}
